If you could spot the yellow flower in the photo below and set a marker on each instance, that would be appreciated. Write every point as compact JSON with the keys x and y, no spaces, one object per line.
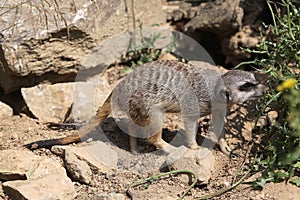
{"x":287,"y":84}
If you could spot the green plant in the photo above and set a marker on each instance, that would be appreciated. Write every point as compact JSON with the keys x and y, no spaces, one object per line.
{"x":278,"y":55}
{"x":144,"y":51}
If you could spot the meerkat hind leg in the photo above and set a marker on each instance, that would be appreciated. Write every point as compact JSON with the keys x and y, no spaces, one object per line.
{"x":156,"y":140}
{"x":133,"y":144}
{"x":160,"y":143}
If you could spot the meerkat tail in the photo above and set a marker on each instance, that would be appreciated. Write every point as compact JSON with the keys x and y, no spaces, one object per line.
{"x":102,"y":113}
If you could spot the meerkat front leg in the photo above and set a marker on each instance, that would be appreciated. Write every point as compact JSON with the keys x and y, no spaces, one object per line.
{"x":216,"y":131}
{"x":191,"y":127}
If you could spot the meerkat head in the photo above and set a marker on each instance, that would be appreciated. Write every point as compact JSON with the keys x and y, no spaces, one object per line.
{"x":242,"y":86}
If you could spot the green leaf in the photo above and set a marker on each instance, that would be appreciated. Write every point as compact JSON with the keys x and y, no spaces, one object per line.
{"x":262,"y":181}
{"x":279,"y":175}
{"x":296,"y":181}
{"x":126,"y":70}
{"x":297,"y":165}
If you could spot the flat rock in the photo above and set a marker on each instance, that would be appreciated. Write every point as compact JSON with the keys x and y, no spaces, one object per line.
{"x":48,"y":181}
{"x":47,"y":167}
{"x":52,"y":103}
{"x":17,"y":164}
{"x":5,"y":110}
{"x":96,"y":154}
{"x":78,"y":169}
{"x":201,"y":162}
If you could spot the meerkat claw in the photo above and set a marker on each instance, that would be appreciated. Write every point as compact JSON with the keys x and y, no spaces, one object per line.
{"x":224,"y":146}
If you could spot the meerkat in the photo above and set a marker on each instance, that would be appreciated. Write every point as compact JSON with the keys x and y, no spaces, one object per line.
{"x":171,"y":86}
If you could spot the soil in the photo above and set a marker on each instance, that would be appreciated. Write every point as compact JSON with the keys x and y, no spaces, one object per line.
{"x":20,"y":129}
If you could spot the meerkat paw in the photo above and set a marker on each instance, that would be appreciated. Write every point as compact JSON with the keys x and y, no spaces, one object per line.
{"x":166,"y":147}
{"x":224,"y":146}
{"x":194,"y":146}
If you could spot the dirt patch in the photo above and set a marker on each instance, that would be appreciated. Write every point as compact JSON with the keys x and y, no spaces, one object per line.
{"x":18,"y":130}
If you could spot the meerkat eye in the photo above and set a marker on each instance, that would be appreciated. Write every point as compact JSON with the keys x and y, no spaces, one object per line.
{"x":227,"y":93}
{"x":247,"y":86}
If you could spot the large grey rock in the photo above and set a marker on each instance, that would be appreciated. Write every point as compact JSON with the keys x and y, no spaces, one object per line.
{"x":48,"y":181}
{"x":201,"y":162}
{"x":52,"y":103}
{"x":49,"y":41}
{"x":31,"y":63}
{"x":17,"y":164}
{"x":5,"y":110}
{"x":220,"y":17}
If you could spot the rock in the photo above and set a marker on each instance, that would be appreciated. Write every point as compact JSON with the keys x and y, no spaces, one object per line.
{"x":220,"y":17}
{"x":232,"y":47}
{"x":47,"y":167}
{"x":280,"y":190}
{"x":5,"y":110}
{"x":167,"y":56}
{"x":79,"y":170}
{"x":52,"y":103}
{"x":59,"y":150}
{"x":2,"y":195}
{"x":17,"y":164}
{"x":235,"y":24}
{"x":48,"y":181}
{"x":253,"y":11}
{"x":54,"y":187}
{"x":56,"y":60}
{"x":201,"y":162}
{"x":180,"y":10}
{"x":88,"y":97}
{"x":62,"y":36}
{"x":96,"y":154}
{"x":49,"y":103}
{"x":109,"y":196}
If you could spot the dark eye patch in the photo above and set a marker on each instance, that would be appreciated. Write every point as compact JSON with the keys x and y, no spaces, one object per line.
{"x":247,"y":86}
